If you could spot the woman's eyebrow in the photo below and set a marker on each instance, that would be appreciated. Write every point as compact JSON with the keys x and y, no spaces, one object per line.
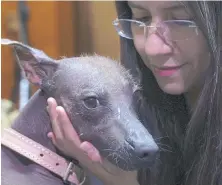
{"x":171,"y":8}
{"x":133,"y":5}
{"x":175,"y":7}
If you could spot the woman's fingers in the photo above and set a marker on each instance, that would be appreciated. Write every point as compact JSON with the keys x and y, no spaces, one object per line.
{"x":54,"y":117}
{"x":70,"y":135}
{"x":51,"y":108}
{"x":66,"y":126}
{"x":63,"y":134}
{"x":52,"y":137}
{"x":91,"y":151}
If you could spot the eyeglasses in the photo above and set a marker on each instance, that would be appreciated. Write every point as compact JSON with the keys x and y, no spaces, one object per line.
{"x":173,"y":30}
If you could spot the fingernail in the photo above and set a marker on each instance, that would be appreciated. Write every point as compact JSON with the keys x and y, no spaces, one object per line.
{"x":87,"y":149}
{"x":59,"y":108}
{"x":49,"y":100}
{"x":49,"y":135}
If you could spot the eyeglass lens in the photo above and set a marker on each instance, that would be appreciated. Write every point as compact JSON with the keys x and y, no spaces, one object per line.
{"x":171,"y":30}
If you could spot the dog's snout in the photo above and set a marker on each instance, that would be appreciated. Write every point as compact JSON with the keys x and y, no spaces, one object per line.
{"x":144,"y":150}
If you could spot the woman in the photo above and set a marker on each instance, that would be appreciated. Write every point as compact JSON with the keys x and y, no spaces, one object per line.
{"x":176,"y":50}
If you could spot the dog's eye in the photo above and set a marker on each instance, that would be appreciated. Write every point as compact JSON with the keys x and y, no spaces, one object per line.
{"x":91,"y":102}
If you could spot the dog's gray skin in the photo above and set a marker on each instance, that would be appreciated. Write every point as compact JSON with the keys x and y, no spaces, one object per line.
{"x":97,"y":94}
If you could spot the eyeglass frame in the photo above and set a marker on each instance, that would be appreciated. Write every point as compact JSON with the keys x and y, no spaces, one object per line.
{"x":143,"y":24}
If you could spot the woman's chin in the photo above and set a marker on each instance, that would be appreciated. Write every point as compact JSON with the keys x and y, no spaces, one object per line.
{"x":173,"y":88}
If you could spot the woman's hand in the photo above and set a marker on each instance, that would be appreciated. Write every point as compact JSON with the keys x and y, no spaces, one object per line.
{"x":65,"y":138}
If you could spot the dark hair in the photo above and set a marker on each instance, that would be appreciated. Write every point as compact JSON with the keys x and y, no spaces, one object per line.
{"x":191,"y":144}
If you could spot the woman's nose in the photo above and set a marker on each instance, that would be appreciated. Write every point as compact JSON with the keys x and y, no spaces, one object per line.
{"x":156,"y":45}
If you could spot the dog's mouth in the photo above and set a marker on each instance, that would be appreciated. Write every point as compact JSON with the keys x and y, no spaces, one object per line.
{"x":127,"y":159}
{"x":114,"y":166}
{"x":110,"y":168}
{"x":128,"y":155}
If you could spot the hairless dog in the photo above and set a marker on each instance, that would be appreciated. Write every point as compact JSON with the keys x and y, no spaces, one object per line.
{"x":98,"y":95}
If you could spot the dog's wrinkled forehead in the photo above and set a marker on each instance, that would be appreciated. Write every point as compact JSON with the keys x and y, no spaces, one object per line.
{"x":95,"y":72}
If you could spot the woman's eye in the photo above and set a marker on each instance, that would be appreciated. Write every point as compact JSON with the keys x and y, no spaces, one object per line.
{"x":145,"y":19}
{"x":91,"y":102}
{"x":180,"y":15}
{"x":182,"y":18}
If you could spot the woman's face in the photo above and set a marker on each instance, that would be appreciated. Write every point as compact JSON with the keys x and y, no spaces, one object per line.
{"x":177,"y":66}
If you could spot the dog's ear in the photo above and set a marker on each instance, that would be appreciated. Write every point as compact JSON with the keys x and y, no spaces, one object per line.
{"x":35,"y":63}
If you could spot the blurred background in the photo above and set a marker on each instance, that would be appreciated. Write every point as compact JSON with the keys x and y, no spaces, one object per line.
{"x":59,"y":28}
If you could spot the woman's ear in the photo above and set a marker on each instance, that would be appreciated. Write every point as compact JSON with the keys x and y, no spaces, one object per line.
{"x":35,"y":64}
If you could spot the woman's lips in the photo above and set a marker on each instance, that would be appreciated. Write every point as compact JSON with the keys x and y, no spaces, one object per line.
{"x":166,"y":71}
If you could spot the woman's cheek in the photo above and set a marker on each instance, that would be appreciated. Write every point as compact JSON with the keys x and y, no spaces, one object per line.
{"x":139,"y":44}
{"x":140,"y":47}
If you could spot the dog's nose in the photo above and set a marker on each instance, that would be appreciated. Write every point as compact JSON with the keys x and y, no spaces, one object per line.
{"x":145,"y":151}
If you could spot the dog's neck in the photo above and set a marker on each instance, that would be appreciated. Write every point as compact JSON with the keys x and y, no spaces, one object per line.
{"x":34,"y":121}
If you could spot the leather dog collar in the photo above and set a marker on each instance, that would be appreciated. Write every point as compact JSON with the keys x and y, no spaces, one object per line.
{"x":40,"y":155}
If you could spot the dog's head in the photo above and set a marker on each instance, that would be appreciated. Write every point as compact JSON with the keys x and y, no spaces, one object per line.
{"x":98,"y":96}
